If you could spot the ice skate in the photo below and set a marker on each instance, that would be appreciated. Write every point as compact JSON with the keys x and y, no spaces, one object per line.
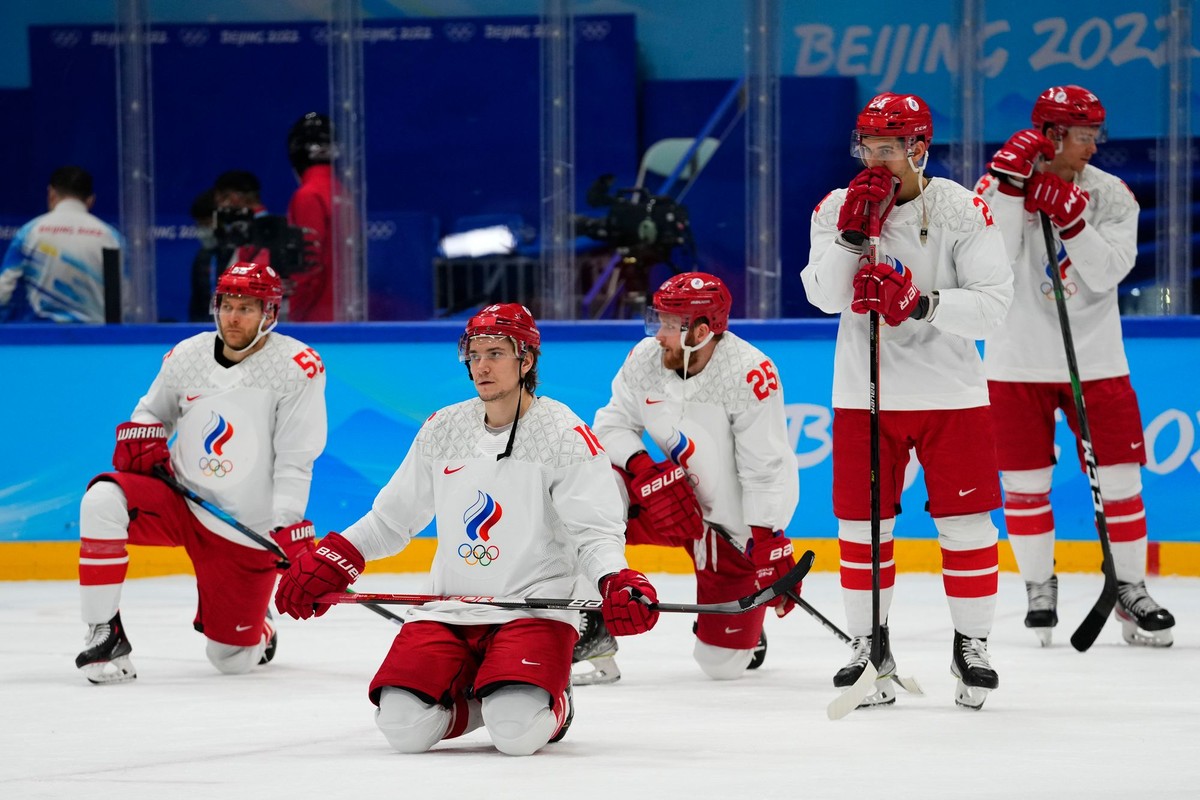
{"x":105,"y":656}
{"x":974,"y":672}
{"x":1043,"y":608}
{"x":272,"y":640}
{"x":569,"y":698}
{"x":1143,"y":621}
{"x":884,"y":693}
{"x":760,"y":652}
{"x":594,"y":660}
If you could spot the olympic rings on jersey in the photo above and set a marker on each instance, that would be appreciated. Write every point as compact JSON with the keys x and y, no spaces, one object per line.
{"x":1069,"y":289}
{"x":215,"y":467}
{"x":480,"y":554}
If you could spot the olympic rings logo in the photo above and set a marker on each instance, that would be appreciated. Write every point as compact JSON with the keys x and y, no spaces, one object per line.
{"x":480,"y":554}
{"x":215,"y":467}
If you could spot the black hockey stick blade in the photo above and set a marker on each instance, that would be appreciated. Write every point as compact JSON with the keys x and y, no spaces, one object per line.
{"x":739,"y":606}
{"x":1085,"y":635}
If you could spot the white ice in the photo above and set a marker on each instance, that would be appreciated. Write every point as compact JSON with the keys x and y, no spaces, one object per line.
{"x":1115,"y":722}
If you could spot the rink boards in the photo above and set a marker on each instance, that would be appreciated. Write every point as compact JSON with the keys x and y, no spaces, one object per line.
{"x":72,"y":385}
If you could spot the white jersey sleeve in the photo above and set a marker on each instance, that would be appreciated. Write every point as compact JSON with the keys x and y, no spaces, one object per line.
{"x":931,"y":363}
{"x":1028,"y":347}
{"x":243,"y":437}
{"x":526,"y":525}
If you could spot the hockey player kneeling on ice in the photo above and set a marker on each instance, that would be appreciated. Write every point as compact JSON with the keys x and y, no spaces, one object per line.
{"x":940,"y":280}
{"x":522,"y":495}
{"x":713,"y":403}
{"x":246,"y":408}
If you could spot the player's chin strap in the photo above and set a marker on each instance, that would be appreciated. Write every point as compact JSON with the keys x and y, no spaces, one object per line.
{"x":921,"y":190}
{"x":512,"y":432}
{"x":689,"y":349}
{"x":263,"y":330}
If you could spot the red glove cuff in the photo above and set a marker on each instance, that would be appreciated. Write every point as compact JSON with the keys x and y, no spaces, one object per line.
{"x":639,"y":462}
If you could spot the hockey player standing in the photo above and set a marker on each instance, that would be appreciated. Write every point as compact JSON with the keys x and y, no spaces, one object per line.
{"x":1095,"y":222}
{"x":713,"y":404}
{"x":524,"y":501}
{"x":311,"y":150}
{"x":941,"y":282}
{"x":246,"y":408}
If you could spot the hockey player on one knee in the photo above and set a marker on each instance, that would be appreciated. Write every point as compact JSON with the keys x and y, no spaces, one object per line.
{"x":941,"y":280}
{"x":246,"y":408}
{"x":713,"y":403}
{"x":1047,"y":169}
{"x":523,"y":500}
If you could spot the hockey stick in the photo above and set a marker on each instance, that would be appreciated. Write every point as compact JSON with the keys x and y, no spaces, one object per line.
{"x":762,"y":596}
{"x":161,"y":473}
{"x":850,"y":699}
{"x":1085,"y":635}
{"x":790,"y":593}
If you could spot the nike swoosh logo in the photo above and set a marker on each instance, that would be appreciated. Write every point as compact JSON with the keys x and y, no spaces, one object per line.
{"x":449,"y":471}
{"x":650,"y":402}
{"x":531,"y":663}
{"x":242,"y":627}
{"x":192,"y":397}
{"x":964,"y":493}
{"x":732,"y":630}
{"x":1135,"y":445}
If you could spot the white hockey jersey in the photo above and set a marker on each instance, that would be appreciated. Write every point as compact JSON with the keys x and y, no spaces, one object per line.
{"x":929,"y":363}
{"x":726,"y":426}
{"x":1028,"y":347}
{"x":524,"y":526}
{"x":245,"y":436}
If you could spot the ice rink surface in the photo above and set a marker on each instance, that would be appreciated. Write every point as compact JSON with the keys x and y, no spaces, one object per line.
{"x":1116,"y":722}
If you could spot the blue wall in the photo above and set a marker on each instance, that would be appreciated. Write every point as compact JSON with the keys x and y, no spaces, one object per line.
{"x":70,"y":385}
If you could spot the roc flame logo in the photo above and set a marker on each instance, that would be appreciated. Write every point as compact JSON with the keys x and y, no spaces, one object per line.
{"x":479,"y":520}
{"x":681,"y":451}
{"x":217,"y":434}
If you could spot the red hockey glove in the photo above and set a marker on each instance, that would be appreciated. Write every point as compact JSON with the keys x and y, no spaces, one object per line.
{"x":662,"y":504}
{"x":869,"y":186}
{"x":1063,"y":202}
{"x":295,"y":540}
{"x":881,"y":288}
{"x":331,"y":567}
{"x":628,"y":602}
{"x":1019,"y":155}
{"x":140,"y":448}
{"x":771,"y":552}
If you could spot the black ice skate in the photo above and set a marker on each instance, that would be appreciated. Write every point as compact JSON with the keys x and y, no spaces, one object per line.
{"x":570,"y":701}
{"x":272,"y":641}
{"x":884,"y":693}
{"x":105,"y":656}
{"x":1143,"y":621}
{"x":974,"y":672}
{"x":1043,"y":608}
{"x":760,"y":652}
{"x":596,"y":652}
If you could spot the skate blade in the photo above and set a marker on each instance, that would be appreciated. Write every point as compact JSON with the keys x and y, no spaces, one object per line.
{"x":1044,"y":635}
{"x":595,"y":671}
{"x":119,"y":670}
{"x":971,"y":697}
{"x":1140,"y":638}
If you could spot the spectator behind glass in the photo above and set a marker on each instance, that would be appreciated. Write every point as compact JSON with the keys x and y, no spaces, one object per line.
{"x":203,"y":211}
{"x":311,"y":149}
{"x":54,"y":268}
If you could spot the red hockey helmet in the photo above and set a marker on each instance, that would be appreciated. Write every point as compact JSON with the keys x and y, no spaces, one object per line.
{"x":1066,"y":106}
{"x":692,"y":295}
{"x":502,"y":319}
{"x":899,"y":115}
{"x":248,"y":279}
